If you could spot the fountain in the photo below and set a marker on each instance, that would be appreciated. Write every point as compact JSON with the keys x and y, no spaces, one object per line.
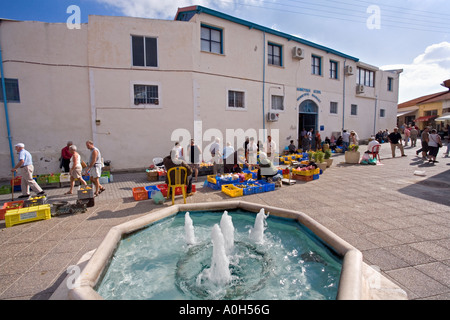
{"x":226,"y":225}
{"x":219,"y":273}
{"x":189,"y":229}
{"x":257,"y":232}
{"x":285,"y":256}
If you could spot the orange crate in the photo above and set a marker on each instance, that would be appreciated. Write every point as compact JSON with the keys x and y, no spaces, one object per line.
{"x":10,"y":206}
{"x":140,"y":193}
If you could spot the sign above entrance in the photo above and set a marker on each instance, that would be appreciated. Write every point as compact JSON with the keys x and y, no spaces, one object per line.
{"x":307,"y":93}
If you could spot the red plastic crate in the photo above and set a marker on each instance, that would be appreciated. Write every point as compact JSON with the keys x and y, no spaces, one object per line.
{"x":10,"y":206}
{"x":140,"y":193}
{"x":16,"y":181}
{"x":163,"y":188}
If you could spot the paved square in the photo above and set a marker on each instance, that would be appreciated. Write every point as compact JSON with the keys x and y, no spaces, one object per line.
{"x":399,"y":221}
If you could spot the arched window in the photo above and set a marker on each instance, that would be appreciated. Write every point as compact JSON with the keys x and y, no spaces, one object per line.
{"x":308,"y":106}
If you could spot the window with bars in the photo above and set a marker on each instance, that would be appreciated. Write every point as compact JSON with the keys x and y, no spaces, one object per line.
{"x":354,"y":110}
{"x":12,"y":90}
{"x":274,"y":54}
{"x":211,"y":39}
{"x":236,"y":99}
{"x":316,"y":65}
{"x":277,"y":103}
{"x":145,"y":51}
{"x":146,"y":94}
{"x":333,"y":107}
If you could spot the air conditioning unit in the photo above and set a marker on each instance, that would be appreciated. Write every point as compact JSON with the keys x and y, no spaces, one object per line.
{"x":297,"y":53}
{"x":348,"y":70}
{"x":272,"y":116}
{"x":359,"y":88}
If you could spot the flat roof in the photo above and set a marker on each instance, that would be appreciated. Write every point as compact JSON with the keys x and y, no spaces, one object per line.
{"x":186,"y":13}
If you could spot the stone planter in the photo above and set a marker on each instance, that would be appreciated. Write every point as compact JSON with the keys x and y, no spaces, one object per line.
{"x":322,"y":165}
{"x":329,"y":162}
{"x":352,"y":156}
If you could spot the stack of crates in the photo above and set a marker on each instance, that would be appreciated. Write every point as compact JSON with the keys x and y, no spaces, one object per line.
{"x":86,"y":193}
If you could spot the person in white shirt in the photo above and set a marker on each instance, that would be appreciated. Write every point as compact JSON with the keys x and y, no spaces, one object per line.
{"x":372,"y":143}
{"x":270,"y":148}
{"x":216,"y":156}
{"x":345,"y":139}
{"x":252,"y":153}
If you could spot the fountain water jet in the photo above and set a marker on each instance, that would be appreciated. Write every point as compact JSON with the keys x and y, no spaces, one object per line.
{"x":189,"y":230}
{"x":257,"y":232}
{"x":226,"y":225}
{"x":219,"y":273}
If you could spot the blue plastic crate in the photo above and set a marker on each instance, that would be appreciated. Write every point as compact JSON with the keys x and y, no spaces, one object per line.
{"x":150,"y":189}
{"x":213,"y":186}
{"x":315,"y":176}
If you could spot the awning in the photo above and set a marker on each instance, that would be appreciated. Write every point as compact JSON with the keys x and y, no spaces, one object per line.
{"x":443,"y":118}
{"x":426,"y":118}
{"x":405,"y":113}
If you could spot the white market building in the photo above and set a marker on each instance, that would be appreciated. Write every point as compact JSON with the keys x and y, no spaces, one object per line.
{"x":130,"y":85}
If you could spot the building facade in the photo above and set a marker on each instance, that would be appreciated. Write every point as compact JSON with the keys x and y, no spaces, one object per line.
{"x":429,"y":110}
{"x":134,"y":86}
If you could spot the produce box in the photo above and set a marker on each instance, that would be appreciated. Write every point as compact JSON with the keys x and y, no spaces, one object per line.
{"x":10,"y":206}
{"x":85,"y":192}
{"x":24,"y":215}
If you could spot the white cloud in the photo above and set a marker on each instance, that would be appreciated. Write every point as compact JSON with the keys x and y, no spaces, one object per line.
{"x":425,"y":74}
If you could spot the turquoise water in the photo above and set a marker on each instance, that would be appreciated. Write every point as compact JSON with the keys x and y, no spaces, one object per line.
{"x":156,"y":263}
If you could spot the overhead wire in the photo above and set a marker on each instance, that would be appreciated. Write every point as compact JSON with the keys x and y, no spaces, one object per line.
{"x":360,"y":18}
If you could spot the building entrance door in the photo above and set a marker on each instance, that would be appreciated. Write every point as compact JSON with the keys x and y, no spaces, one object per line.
{"x":307,"y":119}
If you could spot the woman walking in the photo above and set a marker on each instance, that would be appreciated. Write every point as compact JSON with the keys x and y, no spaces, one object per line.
{"x":434,"y":143}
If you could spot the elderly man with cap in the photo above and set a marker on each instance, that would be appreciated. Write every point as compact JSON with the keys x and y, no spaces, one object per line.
{"x":26,"y":167}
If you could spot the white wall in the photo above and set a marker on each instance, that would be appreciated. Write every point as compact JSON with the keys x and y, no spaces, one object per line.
{"x":68,"y":79}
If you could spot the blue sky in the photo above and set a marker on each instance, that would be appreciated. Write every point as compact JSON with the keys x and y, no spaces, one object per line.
{"x":411,"y":34}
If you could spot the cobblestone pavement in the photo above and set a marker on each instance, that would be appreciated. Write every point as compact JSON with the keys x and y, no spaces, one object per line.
{"x":400,"y":221}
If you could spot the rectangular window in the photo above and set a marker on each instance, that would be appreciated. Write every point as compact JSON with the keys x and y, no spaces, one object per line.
{"x":277,"y":103}
{"x":211,"y":39}
{"x":431,"y":113}
{"x":333,"y":69}
{"x":365,"y":77}
{"x":390,"y":84}
{"x":236,"y":99}
{"x":382,"y":113}
{"x":354,"y":110}
{"x":274,"y":54}
{"x":145,"y":51}
{"x":12,"y":90}
{"x":146,"y":94}
{"x":333,"y":107}
{"x":316,"y":65}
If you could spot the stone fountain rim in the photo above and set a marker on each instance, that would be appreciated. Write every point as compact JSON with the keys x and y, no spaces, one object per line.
{"x":350,"y":283}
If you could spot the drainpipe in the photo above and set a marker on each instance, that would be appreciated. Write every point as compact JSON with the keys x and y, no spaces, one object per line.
{"x":375,"y":116}
{"x":343,"y":100}
{"x":264,"y":82}
{"x":5,"y":104}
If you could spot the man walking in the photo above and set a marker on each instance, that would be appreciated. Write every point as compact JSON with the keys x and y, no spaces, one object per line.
{"x":395,"y":138}
{"x":26,"y":167}
{"x":95,"y":163}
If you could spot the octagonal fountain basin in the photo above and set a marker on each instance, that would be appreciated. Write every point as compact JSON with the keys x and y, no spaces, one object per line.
{"x":222,"y":250}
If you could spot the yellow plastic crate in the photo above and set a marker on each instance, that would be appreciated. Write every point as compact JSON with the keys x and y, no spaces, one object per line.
{"x":232,"y":190}
{"x":29,"y":214}
{"x":212,"y":179}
